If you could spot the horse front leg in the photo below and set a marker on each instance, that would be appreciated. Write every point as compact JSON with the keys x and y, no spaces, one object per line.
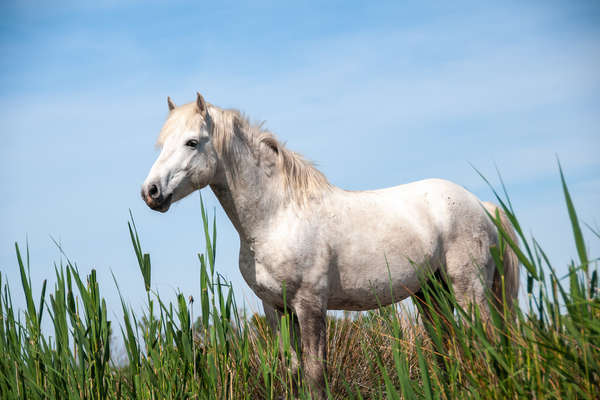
{"x":273,"y":316}
{"x":312,"y":316}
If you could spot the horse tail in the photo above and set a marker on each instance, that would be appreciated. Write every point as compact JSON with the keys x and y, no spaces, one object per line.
{"x":510,"y":262}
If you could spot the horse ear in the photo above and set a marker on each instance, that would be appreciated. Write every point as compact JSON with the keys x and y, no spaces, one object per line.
{"x":170,"y":103}
{"x":201,"y":104}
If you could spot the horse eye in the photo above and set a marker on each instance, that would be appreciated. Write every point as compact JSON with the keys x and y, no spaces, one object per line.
{"x":192,"y":143}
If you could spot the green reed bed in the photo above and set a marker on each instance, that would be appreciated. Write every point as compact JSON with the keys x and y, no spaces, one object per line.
{"x":205,"y":347}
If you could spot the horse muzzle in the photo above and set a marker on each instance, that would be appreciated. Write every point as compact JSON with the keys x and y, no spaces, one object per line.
{"x":155,"y":198}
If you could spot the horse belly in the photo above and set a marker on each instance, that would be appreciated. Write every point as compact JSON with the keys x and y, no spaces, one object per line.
{"x":366,"y":294}
{"x":368,"y":276}
{"x":381,"y":253}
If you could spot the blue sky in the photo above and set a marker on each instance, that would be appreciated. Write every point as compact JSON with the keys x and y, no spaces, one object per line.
{"x":376,"y":94}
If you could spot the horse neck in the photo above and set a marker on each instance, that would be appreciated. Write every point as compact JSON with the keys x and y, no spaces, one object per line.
{"x":249,"y":195}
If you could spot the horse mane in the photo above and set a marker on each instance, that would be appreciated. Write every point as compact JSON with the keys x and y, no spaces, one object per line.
{"x":301,"y":179}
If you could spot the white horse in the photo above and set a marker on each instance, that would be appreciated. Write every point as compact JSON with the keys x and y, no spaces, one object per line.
{"x":328,"y":248}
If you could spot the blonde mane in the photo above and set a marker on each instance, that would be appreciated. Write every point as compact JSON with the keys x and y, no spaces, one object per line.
{"x":301,"y":179}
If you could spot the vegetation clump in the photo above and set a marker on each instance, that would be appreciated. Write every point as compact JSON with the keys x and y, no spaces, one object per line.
{"x":550,"y":349}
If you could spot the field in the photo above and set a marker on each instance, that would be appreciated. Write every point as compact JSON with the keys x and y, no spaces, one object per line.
{"x":210,"y":349}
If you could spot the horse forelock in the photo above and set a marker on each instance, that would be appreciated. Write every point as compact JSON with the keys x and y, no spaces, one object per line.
{"x":183,"y":118}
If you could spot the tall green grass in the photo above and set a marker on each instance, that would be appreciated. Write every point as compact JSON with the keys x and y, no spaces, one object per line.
{"x":205,"y":347}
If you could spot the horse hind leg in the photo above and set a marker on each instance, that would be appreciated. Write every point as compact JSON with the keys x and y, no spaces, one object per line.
{"x":430,"y":298}
{"x":470,"y":270}
{"x":434,"y":311}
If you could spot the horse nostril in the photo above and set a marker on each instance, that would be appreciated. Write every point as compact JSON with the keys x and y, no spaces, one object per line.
{"x":153,"y":192}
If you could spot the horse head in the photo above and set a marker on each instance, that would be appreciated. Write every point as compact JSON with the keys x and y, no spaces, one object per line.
{"x":187,"y":161}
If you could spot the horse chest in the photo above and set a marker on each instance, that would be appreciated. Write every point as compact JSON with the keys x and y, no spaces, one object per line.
{"x":262,"y":278}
